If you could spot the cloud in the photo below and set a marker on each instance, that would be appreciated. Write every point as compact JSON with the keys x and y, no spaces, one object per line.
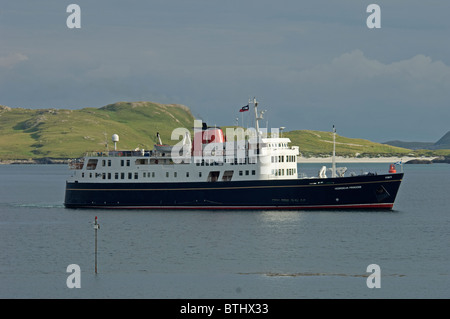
{"x":355,"y":66}
{"x":11,"y":60}
{"x":354,"y":77}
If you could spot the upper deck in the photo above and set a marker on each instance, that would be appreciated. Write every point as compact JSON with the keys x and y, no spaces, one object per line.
{"x":271,"y":158}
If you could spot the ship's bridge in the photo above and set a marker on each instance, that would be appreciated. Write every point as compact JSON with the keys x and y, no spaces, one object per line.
{"x":277,"y":158}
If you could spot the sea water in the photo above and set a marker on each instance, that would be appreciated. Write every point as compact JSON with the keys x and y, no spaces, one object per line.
{"x":224,"y":254}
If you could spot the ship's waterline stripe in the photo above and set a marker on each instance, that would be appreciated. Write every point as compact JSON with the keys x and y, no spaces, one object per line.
{"x":228,"y":207}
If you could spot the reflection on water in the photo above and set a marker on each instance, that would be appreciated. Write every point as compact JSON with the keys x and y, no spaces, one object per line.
{"x":280,"y":217}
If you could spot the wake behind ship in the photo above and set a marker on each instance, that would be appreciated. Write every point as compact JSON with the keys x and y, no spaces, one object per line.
{"x":249,"y":171}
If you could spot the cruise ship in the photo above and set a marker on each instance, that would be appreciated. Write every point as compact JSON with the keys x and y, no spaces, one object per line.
{"x":243,"y":170}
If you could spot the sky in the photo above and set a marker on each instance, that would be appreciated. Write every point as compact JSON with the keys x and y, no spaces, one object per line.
{"x":311,"y":64}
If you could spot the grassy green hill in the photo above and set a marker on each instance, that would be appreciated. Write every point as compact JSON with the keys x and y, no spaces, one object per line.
{"x":317,"y":143}
{"x":60,"y":133}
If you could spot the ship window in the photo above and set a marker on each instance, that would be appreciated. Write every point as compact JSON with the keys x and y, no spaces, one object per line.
{"x":153,"y":174}
{"x":253,"y":172}
{"x":82,"y":174}
{"x":103,"y":162}
{"x":247,"y":172}
{"x":199,"y":174}
{"x":90,"y":175}
{"x":141,"y":161}
{"x":130,"y":175}
{"x":136,"y":175}
{"x":167,"y":174}
{"x":116,"y":175}
{"x":104,"y":176}
{"x":240,"y":173}
{"x":128,"y":162}
{"x":187,"y":174}
{"x":109,"y":175}
{"x":109,"y":162}
{"x":122,"y":175}
{"x":122,"y":162}
{"x":227,"y":175}
{"x":92,"y":164}
{"x":175,"y":174}
{"x":213,"y":176}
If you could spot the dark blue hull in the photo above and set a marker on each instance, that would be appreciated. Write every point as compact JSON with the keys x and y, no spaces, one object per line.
{"x":357,"y":192}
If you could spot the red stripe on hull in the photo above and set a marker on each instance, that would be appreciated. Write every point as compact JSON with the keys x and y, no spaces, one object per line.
{"x":324,"y":207}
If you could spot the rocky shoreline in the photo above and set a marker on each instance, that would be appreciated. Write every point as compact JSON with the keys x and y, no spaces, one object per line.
{"x":36,"y":161}
{"x":442,"y":159}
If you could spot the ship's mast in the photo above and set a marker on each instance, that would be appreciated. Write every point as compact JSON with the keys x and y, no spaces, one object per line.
{"x":255,"y":103}
{"x":258,"y":116}
{"x":333,"y":165}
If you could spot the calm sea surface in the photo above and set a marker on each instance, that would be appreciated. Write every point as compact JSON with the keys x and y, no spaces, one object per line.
{"x":215,"y":254}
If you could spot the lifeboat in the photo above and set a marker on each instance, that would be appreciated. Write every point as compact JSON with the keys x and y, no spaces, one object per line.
{"x":163,"y":148}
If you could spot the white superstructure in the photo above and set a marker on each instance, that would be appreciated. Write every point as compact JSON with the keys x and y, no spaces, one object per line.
{"x":256,"y":157}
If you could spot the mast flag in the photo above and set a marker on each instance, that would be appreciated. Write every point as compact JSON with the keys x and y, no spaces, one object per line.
{"x":244,"y":108}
